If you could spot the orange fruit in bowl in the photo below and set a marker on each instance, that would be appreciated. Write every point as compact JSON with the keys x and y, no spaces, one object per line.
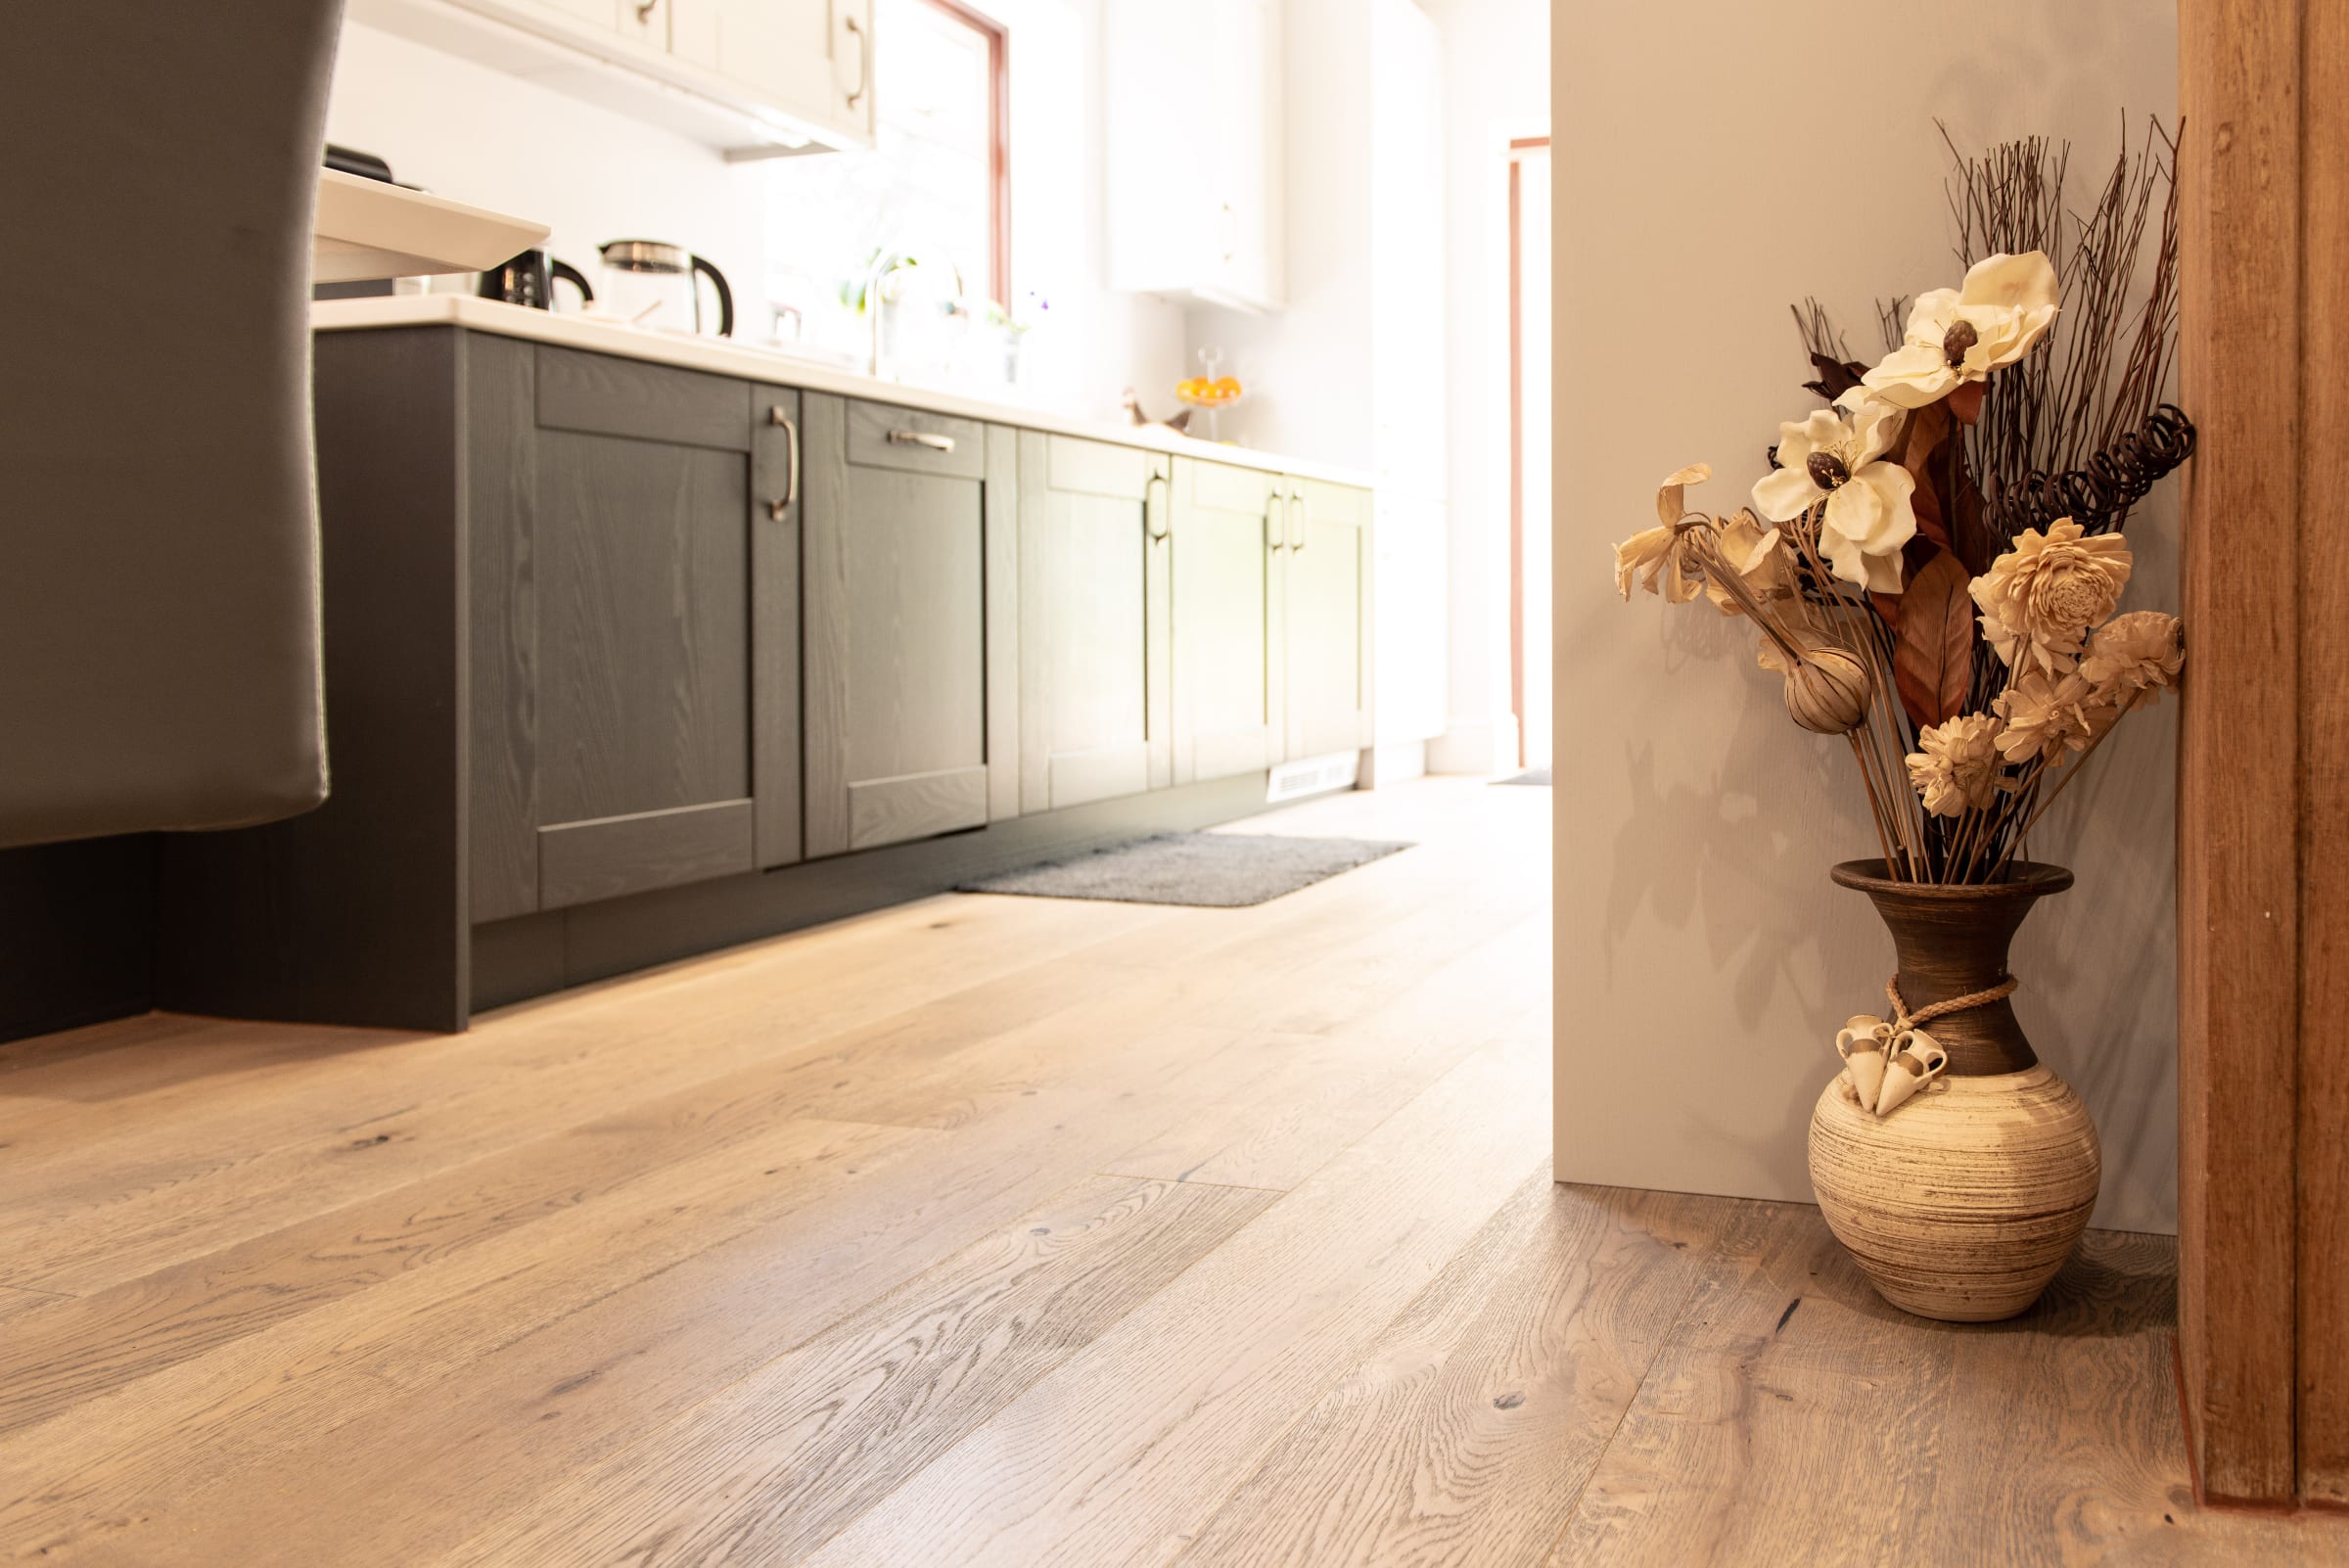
{"x":1227,"y":387}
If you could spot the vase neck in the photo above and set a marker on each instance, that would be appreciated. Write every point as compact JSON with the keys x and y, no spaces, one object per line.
{"x":1952,"y":947}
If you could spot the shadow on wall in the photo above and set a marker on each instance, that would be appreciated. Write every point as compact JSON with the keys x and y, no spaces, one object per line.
{"x":1706,"y":862}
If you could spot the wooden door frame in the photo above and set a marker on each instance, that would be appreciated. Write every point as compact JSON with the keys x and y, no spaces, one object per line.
{"x":1519,"y":147}
{"x":2263,"y":909}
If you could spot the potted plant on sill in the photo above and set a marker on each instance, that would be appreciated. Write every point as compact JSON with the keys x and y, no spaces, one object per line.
{"x":1935,"y":564}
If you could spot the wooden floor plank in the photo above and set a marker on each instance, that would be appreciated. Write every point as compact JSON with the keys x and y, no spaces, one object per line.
{"x":1793,"y":1421}
{"x":2063,"y":1442}
{"x":737,"y":1261}
{"x":607,"y":1325}
{"x":1466,"y":1433}
{"x":132,"y":1204}
{"x":1312,"y":1094}
{"x":1125,"y":1450}
{"x":778,"y":1463}
{"x":135,"y":1458}
{"x":117,"y":1335}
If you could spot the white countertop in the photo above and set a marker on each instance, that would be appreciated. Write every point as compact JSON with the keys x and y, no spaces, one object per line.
{"x":726,"y":357}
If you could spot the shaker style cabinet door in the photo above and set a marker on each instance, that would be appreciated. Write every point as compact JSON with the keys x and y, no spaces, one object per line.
{"x":1230,"y":555}
{"x":1096,"y":645}
{"x":626,"y":630}
{"x":1328,"y":633}
{"x":783,"y":49}
{"x":895,"y":585}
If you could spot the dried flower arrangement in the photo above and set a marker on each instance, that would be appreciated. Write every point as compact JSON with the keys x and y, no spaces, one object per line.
{"x":1935,"y":560}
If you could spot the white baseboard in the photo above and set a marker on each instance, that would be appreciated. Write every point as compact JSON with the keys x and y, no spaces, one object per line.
{"x":1391,"y":763}
{"x":1475,"y":746}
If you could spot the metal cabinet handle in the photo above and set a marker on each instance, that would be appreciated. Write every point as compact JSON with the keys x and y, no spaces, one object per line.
{"x":1297,"y":532}
{"x":1159,"y":529}
{"x":922,"y":437}
{"x":864,"y":59}
{"x":791,"y":470}
{"x":1277,"y":522}
{"x":1231,"y":233}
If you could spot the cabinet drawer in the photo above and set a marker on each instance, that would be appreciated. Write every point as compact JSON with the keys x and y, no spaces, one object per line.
{"x":881,"y":435}
{"x":601,"y":395}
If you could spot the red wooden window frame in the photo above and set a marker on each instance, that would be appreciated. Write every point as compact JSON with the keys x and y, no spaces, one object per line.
{"x":998,"y":159}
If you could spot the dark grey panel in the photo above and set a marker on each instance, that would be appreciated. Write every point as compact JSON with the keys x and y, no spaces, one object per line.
{"x":502,"y":480}
{"x":618,"y":935}
{"x":607,"y":396}
{"x":1002,"y":622}
{"x":515,"y":959}
{"x":356,"y":912}
{"x":643,"y":644}
{"x":778,"y":470}
{"x":824,"y":610}
{"x":77,"y":926}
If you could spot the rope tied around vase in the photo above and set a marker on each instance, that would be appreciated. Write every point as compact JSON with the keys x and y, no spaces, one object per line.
{"x":1907,"y":1022}
{"x":1886,"y":1061}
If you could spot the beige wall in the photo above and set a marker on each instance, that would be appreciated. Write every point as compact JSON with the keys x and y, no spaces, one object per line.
{"x":1715,"y":159}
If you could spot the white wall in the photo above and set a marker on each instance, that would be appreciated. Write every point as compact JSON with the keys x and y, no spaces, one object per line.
{"x":1496,"y":65}
{"x":1308,"y":367}
{"x":479,"y":135}
{"x":1352,"y":370}
{"x":1714,"y":161}
{"x":469,"y":132}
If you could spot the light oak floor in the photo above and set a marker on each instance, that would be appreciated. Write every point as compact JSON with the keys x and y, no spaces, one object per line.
{"x":1012,"y":1233}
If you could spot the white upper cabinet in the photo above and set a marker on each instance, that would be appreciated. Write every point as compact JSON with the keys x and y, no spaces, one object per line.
{"x":752,"y":76}
{"x":1195,"y":149}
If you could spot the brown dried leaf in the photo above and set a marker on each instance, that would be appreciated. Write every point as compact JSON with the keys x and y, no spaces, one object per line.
{"x":1933,"y":648}
{"x":1928,"y":427}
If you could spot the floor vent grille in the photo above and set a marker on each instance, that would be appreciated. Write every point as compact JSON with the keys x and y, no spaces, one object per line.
{"x":1315,"y":775}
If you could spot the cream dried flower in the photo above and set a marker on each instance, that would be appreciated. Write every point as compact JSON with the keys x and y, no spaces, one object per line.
{"x":2048,"y":718}
{"x":2130,"y":658}
{"x":2040,"y":598}
{"x":1959,"y":766}
{"x":1659,"y":560}
{"x":1658,"y":557}
{"x":1760,"y":558}
{"x":1958,"y":335}
{"x":1838,"y":460}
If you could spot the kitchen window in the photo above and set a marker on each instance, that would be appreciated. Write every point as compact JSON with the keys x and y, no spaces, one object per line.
{"x":935,"y":186}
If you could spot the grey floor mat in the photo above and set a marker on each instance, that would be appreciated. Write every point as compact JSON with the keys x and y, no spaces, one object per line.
{"x":1532,"y":775}
{"x":1220,"y":870}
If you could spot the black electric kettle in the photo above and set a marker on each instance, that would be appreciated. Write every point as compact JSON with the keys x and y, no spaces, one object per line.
{"x":530,"y":279}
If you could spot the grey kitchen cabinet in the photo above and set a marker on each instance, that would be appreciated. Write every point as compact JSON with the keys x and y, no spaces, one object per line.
{"x":634,"y":558}
{"x":609,"y":638}
{"x":1327,"y":607}
{"x":1095,"y":603}
{"x":909,"y":714}
{"x":1229,"y":618}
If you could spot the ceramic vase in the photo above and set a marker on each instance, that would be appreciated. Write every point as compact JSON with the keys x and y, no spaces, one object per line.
{"x":1962,"y":1203}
